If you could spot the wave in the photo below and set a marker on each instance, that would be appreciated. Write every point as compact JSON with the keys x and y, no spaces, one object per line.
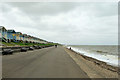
{"x":109,"y":59}
{"x":101,"y":51}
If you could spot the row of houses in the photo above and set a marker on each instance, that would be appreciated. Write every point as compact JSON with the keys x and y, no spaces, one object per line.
{"x":12,"y":35}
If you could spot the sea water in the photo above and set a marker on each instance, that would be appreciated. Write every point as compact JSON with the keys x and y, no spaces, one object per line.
{"x":105,"y":53}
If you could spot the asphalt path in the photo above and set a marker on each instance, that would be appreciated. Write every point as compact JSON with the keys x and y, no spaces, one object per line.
{"x":42,"y":63}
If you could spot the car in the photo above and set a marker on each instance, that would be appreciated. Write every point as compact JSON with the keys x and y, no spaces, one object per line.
{"x":7,"y":51}
{"x":43,"y":46}
{"x":31,"y":48}
{"x":36,"y":47}
{"x":39,"y":47}
{"x":23,"y":49}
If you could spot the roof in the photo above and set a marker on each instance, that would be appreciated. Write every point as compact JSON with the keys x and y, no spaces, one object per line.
{"x":2,"y":27}
{"x":18,"y":33}
{"x":24,"y":34}
{"x":11,"y":31}
{"x":29,"y":35}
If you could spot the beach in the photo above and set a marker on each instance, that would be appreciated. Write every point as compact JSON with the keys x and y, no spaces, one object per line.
{"x":104,"y":53}
{"x":93,"y":67}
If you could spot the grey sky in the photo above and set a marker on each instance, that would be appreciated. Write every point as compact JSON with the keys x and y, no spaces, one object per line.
{"x":64,"y":22}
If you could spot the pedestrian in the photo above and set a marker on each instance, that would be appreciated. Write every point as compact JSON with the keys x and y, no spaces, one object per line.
{"x":55,"y":46}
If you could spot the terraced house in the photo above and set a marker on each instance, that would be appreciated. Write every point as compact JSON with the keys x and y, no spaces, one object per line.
{"x":19,"y":36}
{"x":3,"y":33}
{"x":32,"y":39}
{"x":29,"y":38}
{"x":11,"y":34}
{"x":25,"y":38}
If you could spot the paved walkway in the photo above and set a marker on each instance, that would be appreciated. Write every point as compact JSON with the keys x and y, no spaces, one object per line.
{"x":43,"y":63}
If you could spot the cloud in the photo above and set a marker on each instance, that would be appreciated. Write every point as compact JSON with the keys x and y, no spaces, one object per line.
{"x":43,"y":8}
{"x":64,"y":22}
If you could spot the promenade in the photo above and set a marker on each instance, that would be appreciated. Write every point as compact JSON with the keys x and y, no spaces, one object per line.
{"x":43,"y":63}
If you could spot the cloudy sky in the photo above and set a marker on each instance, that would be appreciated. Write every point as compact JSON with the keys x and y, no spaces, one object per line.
{"x":81,"y":23}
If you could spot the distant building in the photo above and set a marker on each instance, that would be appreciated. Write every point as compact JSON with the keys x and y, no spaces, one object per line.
{"x":44,"y":42}
{"x":32,"y":39}
{"x":24,"y":37}
{"x":29,"y":38}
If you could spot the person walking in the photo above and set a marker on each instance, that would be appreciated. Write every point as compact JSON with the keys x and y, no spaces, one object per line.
{"x":55,"y":46}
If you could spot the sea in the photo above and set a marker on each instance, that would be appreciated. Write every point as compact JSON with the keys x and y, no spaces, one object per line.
{"x":105,"y":53}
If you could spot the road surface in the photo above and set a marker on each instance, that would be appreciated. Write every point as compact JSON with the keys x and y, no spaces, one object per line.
{"x":43,"y":63}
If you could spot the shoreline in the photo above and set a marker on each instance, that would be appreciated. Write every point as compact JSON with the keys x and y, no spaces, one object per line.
{"x":98,"y":62}
{"x":110,"y":59}
{"x":92,"y":67}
